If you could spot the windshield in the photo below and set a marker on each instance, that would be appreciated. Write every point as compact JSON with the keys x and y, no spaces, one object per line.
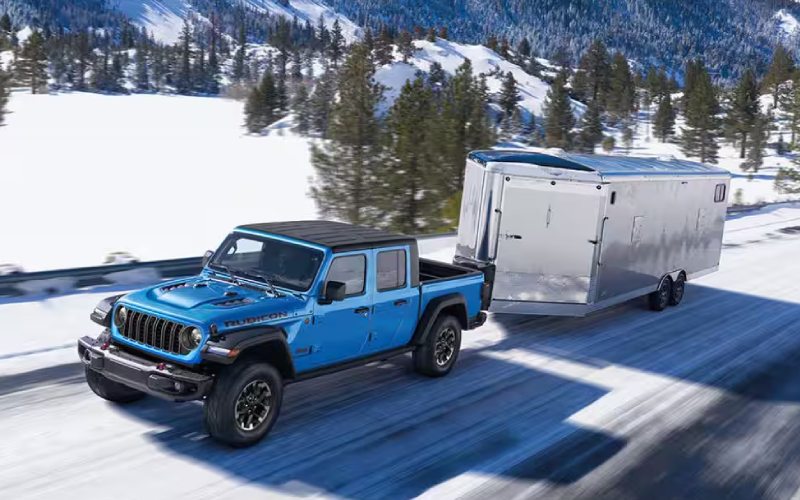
{"x":285,"y":264}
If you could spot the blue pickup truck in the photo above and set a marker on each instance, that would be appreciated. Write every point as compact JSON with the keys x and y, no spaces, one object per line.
{"x":275,"y":304}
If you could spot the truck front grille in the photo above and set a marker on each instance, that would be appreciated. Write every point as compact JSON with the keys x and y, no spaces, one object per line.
{"x":153,"y":331}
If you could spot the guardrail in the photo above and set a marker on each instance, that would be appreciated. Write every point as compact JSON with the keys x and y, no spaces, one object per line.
{"x":62,"y":281}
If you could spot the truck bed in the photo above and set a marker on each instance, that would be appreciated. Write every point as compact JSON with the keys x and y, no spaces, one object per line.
{"x":433,"y":270}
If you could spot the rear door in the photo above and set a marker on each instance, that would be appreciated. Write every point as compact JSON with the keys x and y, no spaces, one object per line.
{"x":547,"y":240}
{"x":396,"y":302}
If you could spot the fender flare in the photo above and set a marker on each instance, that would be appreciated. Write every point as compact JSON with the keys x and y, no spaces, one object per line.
{"x":432,"y":312}
{"x":248,"y":339}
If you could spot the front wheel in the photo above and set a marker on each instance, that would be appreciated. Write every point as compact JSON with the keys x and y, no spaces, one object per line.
{"x":244,"y":403}
{"x":436,"y":357}
{"x":110,"y":390}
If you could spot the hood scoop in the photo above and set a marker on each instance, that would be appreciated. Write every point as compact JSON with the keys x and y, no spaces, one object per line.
{"x":174,"y":286}
{"x":239,"y":301}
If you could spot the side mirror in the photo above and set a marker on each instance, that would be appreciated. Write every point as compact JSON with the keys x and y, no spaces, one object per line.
{"x":334,"y":291}
{"x":207,"y":257}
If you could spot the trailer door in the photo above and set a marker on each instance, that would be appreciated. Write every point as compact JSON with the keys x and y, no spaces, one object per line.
{"x":547,"y":241}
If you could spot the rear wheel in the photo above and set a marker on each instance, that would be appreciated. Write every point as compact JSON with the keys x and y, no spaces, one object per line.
{"x":110,"y":390}
{"x":244,"y":403}
{"x":659,"y":300}
{"x":678,"y":288}
{"x":436,"y":357}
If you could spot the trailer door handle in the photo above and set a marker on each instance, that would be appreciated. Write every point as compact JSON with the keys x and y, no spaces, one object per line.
{"x":400,"y":302}
{"x":362,"y":310}
{"x":512,"y":236}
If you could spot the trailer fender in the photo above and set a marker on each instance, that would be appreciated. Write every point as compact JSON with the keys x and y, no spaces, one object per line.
{"x":453,"y":304}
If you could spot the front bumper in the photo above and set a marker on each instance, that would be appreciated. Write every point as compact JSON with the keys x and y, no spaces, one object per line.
{"x":155,"y":378}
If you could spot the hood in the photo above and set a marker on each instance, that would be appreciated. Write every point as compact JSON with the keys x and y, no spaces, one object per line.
{"x":202,"y":300}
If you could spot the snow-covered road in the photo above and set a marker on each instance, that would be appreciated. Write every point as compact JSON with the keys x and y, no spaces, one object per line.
{"x":695,"y":402}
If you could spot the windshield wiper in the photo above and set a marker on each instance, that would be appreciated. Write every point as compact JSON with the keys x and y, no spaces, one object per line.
{"x":229,"y":271}
{"x":266,"y":279}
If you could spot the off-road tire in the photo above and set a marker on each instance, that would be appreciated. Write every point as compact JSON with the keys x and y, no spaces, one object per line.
{"x":659,"y":300}
{"x":110,"y":390}
{"x":436,"y":357}
{"x":678,"y":289}
{"x":222,"y":419}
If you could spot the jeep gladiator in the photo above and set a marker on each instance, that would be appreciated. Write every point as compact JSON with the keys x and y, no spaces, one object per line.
{"x":278,"y":303}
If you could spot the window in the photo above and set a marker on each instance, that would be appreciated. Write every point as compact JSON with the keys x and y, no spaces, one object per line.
{"x":391,"y":270}
{"x":719,"y":193}
{"x":351,"y":271}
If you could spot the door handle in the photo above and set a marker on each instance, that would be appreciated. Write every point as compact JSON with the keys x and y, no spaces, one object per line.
{"x":400,"y":302}
{"x":362,"y":310}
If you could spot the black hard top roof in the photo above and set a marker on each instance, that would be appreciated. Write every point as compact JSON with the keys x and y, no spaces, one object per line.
{"x":338,"y":236}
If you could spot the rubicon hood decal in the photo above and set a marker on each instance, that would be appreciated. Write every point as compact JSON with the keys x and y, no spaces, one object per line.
{"x":256,"y":319}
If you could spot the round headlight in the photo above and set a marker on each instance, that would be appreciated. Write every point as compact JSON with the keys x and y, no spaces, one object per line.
{"x":120,"y":317}
{"x":190,"y":338}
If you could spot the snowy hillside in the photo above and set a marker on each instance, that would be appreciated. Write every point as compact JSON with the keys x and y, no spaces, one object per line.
{"x":451,"y":55}
{"x":164,"y":18}
{"x":157,"y":176}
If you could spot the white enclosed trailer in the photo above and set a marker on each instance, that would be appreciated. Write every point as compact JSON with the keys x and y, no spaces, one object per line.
{"x":570,"y":234}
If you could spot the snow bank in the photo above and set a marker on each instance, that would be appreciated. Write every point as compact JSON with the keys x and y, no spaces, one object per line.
{"x":157,"y":176}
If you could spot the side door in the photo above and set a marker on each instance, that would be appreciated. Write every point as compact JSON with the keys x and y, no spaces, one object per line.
{"x":340,"y":329}
{"x":395,"y":301}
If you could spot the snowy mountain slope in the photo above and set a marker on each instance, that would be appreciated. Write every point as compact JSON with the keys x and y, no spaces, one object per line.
{"x":451,"y":55}
{"x":161,"y":18}
{"x":164,"y":18}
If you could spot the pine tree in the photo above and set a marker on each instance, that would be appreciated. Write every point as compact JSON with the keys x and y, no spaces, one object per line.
{"x":239,"y":57}
{"x":281,"y":95}
{"x":621,"y":93}
{"x":336,"y":44}
{"x":142,"y":73}
{"x":323,"y":36}
{"x":321,"y":102}
{"x":558,"y":118}
{"x":524,"y":48}
{"x":383,"y":48}
{"x":443,"y":33}
{"x":780,"y":70}
{"x":591,"y":131}
{"x":509,"y":95}
{"x":699,"y":138}
{"x":592,"y":81}
{"x":409,"y":196}
{"x":759,"y":135}
{"x":664,"y":119}
{"x":792,"y":108}
{"x":744,"y":109}
{"x":301,"y":110}
{"x":431,"y":36}
{"x":4,"y":82}
{"x":183,"y":81}
{"x":405,"y":45}
{"x":212,"y":68}
{"x":254,"y":111}
{"x":31,"y":65}
{"x":787,"y":181}
{"x":349,"y":163}
{"x":465,"y":121}
{"x":261,"y":108}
